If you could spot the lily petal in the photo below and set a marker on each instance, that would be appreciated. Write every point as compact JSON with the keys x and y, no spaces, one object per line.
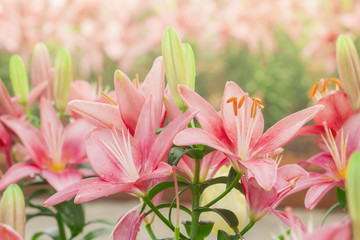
{"x":128,"y":225}
{"x":8,"y":233}
{"x":285,"y":130}
{"x":207,"y":116}
{"x":30,"y":136}
{"x":17,"y":172}
{"x":101,"y":115}
{"x":69,"y":192}
{"x":61,"y":180}
{"x":194,"y":136}
{"x":154,"y":85}
{"x":164,"y":141}
{"x":100,"y":188}
{"x":129,"y":99}
{"x":316,"y":193}
{"x":264,"y":171}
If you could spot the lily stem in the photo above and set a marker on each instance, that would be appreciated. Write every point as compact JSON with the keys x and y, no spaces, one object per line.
{"x":159,"y":214}
{"x":150,"y":231}
{"x":60,"y":222}
{"x":247,"y":228}
{"x":195,"y":201}
{"x":227,"y":190}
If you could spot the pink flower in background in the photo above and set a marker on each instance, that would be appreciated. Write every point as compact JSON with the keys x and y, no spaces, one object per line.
{"x":8,"y":233}
{"x":126,"y":163}
{"x":131,"y":96}
{"x":238,"y":131}
{"x":54,"y":150}
{"x":261,"y":202}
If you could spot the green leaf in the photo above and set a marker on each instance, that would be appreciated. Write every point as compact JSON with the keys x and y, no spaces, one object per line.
{"x":39,"y":193}
{"x":97,"y":232}
{"x":37,"y":214}
{"x":169,"y":205}
{"x":104,"y":221}
{"x":73,"y":216}
{"x":51,"y":232}
{"x":162,"y":186}
{"x":231,"y":176}
{"x":217,"y":180}
{"x":195,"y":153}
{"x":341,"y":197}
{"x":159,"y":130}
{"x":175,"y":154}
{"x":222,"y":235}
{"x":226,"y":214}
{"x":204,"y":228}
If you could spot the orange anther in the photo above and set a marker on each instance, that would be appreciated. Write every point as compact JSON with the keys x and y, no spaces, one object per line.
{"x":111,"y":124}
{"x":136,"y":81}
{"x":108,"y":99}
{"x":234,"y":101}
{"x":261,"y":106}
{"x":241,"y":102}
{"x":257,"y":100}
{"x":313,"y":90}
{"x":337,"y":82}
{"x":325,"y":84}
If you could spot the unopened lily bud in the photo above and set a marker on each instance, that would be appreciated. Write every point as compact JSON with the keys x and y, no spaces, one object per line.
{"x":41,"y":69}
{"x":179,"y":64}
{"x":13,"y":209}
{"x":349,"y":69}
{"x":62,"y":79}
{"x":353,"y":193}
{"x":190,"y":61}
{"x":19,"y":79}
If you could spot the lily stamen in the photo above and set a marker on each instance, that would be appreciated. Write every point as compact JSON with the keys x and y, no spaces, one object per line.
{"x":337,"y":82}
{"x":135,"y":81}
{"x":108,"y":99}
{"x":234,"y":101}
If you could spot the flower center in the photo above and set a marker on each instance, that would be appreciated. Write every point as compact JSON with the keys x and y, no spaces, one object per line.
{"x":54,"y":139}
{"x":325,"y":87}
{"x":339,"y":156}
{"x":245,"y":121}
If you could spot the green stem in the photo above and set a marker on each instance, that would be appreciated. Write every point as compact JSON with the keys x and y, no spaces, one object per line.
{"x":27,"y":111}
{"x":159,"y":214}
{"x":227,"y":190}
{"x":247,"y":228}
{"x":195,"y":201}
{"x":60,"y":222}
{"x":150,"y":231}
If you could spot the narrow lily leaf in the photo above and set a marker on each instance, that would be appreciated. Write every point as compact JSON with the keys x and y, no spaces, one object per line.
{"x":52,"y":232}
{"x":195,"y":153}
{"x":231,"y":176}
{"x":162,"y":186}
{"x":190,"y":60}
{"x":175,"y":154}
{"x":341,"y":197}
{"x":204,"y":228}
{"x":19,"y":79}
{"x":222,"y":235}
{"x":226,"y":214}
{"x":96,"y":233}
{"x":73,"y":216}
{"x":222,"y":180}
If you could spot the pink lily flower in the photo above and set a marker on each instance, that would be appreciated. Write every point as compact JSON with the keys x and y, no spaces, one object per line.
{"x":132,"y":97}
{"x":333,"y":159}
{"x":126,"y":163}
{"x":209,"y":165}
{"x":261,"y":202}
{"x":333,"y":231}
{"x":54,"y":150}
{"x":7,"y":233}
{"x":128,"y":225}
{"x":337,"y":108}
{"x":238,"y":131}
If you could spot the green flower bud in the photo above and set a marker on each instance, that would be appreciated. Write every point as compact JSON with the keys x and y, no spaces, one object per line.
{"x":19,"y":79}
{"x":13,"y":209}
{"x":353,"y":193}
{"x":179,"y":64}
{"x":62,"y":79}
{"x":349,"y":69}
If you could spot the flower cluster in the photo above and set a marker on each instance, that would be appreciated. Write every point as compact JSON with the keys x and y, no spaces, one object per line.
{"x":87,"y":143}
